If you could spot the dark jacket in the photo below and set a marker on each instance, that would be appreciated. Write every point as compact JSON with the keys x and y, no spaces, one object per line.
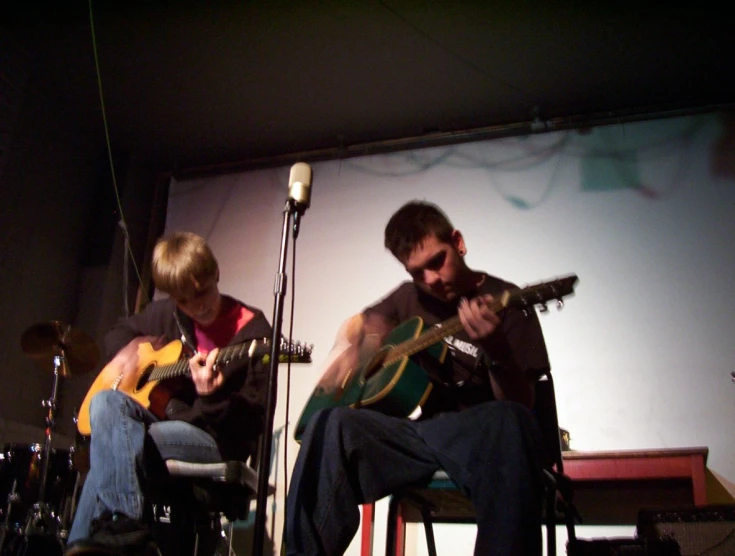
{"x":235,"y":413}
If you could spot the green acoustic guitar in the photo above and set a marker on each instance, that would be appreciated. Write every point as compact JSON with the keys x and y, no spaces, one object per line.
{"x":392,"y":382}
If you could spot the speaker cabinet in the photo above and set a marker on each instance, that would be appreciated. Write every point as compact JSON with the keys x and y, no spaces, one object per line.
{"x":706,"y":530}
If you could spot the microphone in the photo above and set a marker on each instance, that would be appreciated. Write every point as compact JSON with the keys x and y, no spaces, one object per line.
{"x":299,"y":192}
{"x":299,"y":185}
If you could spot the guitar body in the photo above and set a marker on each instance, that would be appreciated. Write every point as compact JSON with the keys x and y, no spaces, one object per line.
{"x":395,"y":388}
{"x":134,"y":383}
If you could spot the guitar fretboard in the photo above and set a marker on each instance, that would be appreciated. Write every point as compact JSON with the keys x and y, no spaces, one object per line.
{"x":523,"y":298}
{"x":181,"y":367}
{"x":297,"y":353}
{"x":436,"y":334}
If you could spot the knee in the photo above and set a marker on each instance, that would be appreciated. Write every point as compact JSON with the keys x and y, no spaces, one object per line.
{"x":506,"y":417}
{"x":106,"y":402}
{"x":516,"y":424}
{"x":343,"y":419}
{"x":342,"y":415}
{"x":510,"y":409}
{"x":332,"y":423}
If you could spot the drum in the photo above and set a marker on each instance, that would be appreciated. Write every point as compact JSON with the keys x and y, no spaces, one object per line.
{"x":21,"y":469}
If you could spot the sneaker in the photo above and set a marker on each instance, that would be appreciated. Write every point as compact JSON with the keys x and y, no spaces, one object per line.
{"x":115,"y":534}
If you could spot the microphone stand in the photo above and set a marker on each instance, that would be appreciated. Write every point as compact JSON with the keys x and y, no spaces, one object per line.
{"x":292,"y":209}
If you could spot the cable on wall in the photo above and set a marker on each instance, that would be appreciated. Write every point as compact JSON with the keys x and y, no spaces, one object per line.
{"x":128,"y":252}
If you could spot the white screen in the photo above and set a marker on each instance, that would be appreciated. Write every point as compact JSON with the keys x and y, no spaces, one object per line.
{"x":642,"y":213}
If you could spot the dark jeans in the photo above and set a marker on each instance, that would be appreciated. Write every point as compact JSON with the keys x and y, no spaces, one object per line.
{"x":353,"y":456}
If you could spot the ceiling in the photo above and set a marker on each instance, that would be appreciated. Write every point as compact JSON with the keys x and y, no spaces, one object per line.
{"x":191,"y":84}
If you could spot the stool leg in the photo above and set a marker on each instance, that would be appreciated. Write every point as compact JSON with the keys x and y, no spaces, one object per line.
{"x":390,"y":533}
{"x":230,"y":532}
{"x":430,"y":542}
{"x":550,"y":519}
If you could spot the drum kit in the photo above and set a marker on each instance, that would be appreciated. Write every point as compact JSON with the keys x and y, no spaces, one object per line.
{"x":39,"y":485}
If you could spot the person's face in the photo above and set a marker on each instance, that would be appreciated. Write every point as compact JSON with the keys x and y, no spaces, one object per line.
{"x":437,"y":266}
{"x":203,"y":304}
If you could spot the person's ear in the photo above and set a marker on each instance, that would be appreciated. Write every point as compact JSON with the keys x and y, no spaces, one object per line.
{"x":458,"y":243}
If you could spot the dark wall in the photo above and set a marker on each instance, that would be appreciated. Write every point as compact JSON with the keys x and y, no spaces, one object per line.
{"x":61,"y":249}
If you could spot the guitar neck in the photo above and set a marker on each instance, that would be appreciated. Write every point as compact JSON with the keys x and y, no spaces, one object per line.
{"x":429,"y":338}
{"x":255,"y":349}
{"x":181,"y":367}
{"x":523,"y":299}
{"x":438,"y":333}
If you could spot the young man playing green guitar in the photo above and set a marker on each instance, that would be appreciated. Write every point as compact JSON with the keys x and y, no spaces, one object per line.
{"x":475,"y":420}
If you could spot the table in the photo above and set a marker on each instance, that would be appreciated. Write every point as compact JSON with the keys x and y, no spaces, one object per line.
{"x":611,"y":486}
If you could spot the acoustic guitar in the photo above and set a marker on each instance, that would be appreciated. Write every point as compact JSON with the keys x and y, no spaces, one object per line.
{"x":392,"y":381}
{"x":155,"y":366}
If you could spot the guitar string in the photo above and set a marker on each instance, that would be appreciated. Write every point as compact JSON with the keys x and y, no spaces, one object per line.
{"x":454,"y":324}
{"x":181,"y":367}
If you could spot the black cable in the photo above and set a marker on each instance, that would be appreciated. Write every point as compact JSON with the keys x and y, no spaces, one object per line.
{"x":288,"y":379}
{"x":468,"y":63}
{"x":126,"y":264}
{"x":122,"y":224}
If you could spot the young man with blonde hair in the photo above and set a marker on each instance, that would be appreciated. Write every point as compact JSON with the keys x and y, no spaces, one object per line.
{"x":215,"y":415}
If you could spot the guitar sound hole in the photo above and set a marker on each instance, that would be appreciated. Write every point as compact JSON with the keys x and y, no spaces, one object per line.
{"x":143,"y":378}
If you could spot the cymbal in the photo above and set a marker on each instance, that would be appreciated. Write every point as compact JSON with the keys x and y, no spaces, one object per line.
{"x":42,"y":342}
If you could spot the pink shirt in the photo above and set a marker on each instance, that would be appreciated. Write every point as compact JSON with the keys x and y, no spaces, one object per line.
{"x":231,"y":319}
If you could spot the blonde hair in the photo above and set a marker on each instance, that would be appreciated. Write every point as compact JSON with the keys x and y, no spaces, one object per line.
{"x":183,"y":264}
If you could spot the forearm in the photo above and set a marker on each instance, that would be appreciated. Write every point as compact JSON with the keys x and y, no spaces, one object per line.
{"x":342,"y":357}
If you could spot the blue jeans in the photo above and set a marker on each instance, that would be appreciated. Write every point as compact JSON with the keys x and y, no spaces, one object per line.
{"x":353,"y":456}
{"x":126,"y":437}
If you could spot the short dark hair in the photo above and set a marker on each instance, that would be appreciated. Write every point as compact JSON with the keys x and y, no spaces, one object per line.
{"x":411,"y":224}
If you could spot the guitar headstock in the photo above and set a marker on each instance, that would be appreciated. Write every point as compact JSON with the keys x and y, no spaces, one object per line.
{"x":295,"y":351}
{"x":540,"y":294}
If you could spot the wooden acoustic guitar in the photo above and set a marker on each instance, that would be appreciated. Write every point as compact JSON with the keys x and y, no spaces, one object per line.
{"x":155,"y":366}
{"x":392,"y":382}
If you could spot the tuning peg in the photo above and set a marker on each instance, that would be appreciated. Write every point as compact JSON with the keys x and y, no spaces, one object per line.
{"x":543,"y":308}
{"x":560,"y":304}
